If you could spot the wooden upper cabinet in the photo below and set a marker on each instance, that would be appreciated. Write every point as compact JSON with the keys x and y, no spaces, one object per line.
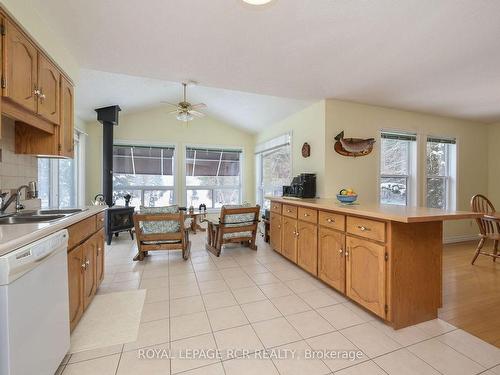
{"x":75,"y":285}
{"x":49,"y":87}
{"x":365,"y":274}
{"x":289,"y":238}
{"x":21,"y":68}
{"x":307,"y":247}
{"x":66,"y":132}
{"x":331,"y":260}
{"x":275,"y":231}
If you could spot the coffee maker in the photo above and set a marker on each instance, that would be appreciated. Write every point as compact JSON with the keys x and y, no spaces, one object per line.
{"x":302,"y":186}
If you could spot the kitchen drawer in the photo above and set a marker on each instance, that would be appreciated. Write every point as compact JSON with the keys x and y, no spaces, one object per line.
{"x":276,"y":207}
{"x":290,"y":211}
{"x":374,"y":230}
{"x":100,"y":220}
{"x":331,"y":220}
{"x":80,"y":231}
{"x":308,"y":214}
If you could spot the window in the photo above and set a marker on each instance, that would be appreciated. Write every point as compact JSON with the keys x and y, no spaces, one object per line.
{"x":144,"y":172}
{"x":274,"y":167}
{"x":59,"y":181}
{"x":441,"y":171}
{"x":398,"y":168}
{"x":213,"y":177}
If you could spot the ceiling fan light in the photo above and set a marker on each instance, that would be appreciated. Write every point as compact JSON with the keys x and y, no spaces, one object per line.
{"x":185,"y":116}
{"x":257,"y":2}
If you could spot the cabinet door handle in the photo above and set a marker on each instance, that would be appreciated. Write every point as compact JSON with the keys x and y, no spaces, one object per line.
{"x":84,"y":265}
{"x":41,"y":95}
{"x":330,"y":220}
{"x":288,"y":210}
{"x":341,"y":252}
{"x":36,"y":91}
{"x":306,"y":215}
{"x":363,"y":228}
{"x":347,"y":252}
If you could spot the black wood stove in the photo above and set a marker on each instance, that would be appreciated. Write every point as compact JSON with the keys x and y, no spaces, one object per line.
{"x":119,"y":219}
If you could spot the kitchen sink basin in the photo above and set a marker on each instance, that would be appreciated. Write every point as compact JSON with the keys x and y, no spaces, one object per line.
{"x":62,"y":211}
{"x":27,"y":219}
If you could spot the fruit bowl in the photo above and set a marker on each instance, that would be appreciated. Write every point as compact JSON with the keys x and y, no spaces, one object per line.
{"x":347,"y":198}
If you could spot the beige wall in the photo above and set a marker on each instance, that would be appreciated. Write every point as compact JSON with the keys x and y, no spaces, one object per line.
{"x":366,"y":121}
{"x":156,"y":127}
{"x":494,"y":164}
{"x":308,"y":126}
{"x":24,"y":13}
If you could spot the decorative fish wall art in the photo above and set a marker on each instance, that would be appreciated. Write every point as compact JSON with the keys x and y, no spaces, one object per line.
{"x":353,"y":146}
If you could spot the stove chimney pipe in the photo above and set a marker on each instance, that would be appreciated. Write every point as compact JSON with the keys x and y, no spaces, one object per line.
{"x":108,"y":117}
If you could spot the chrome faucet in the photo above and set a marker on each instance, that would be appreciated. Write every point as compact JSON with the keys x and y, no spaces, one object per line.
{"x":31,"y":193}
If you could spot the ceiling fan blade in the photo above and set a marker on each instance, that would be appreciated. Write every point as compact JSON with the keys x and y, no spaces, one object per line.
{"x":199,"y":106}
{"x":173,"y":112}
{"x":172,"y":104}
{"x":197,"y":114}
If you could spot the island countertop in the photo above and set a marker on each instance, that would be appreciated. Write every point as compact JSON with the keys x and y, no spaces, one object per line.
{"x":403,"y":214}
{"x":13,"y":236}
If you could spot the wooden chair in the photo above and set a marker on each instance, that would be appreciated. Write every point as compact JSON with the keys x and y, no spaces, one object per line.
{"x":169,"y":233}
{"x":489,"y":228}
{"x":237,"y":224}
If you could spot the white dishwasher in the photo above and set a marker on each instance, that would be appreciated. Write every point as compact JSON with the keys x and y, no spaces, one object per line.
{"x":34,"y":307}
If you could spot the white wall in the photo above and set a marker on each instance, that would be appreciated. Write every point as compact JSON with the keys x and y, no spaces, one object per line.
{"x":156,"y":127}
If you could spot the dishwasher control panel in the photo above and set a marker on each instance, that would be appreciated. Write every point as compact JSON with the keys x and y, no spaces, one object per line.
{"x":18,"y":262}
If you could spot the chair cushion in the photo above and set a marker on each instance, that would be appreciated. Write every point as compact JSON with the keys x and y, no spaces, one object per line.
{"x":164,"y":226}
{"x":238,"y":220}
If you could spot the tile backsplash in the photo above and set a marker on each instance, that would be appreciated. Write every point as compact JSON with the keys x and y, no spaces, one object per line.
{"x":15,"y":170}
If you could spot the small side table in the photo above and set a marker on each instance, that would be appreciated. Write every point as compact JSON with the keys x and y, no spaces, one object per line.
{"x":197,"y":217}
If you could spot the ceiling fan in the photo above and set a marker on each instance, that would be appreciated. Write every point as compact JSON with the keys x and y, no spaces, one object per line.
{"x":186,"y":111}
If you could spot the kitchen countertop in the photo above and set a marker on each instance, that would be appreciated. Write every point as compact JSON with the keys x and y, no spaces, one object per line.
{"x":401,"y":214}
{"x":13,"y":236}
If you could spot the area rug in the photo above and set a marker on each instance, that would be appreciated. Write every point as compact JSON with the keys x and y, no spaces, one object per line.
{"x":111,"y":319}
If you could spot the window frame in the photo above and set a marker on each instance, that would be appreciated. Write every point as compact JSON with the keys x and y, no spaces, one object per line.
{"x":144,"y":188}
{"x":78,"y":174}
{"x":450,"y":178}
{"x":213,"y":188}
{"x":283,"y":140}
{"x":412,"y":167}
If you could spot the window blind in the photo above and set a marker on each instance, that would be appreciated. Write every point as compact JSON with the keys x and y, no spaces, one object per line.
{"x":272,"y":144}
{"x":399,"y":136}
{"x":143,"y":160}
{"x":450,"y":141}
{"x":212,"y":162}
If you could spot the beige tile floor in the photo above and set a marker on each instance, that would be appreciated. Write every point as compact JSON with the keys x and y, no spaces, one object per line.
{"x":260,"y":302}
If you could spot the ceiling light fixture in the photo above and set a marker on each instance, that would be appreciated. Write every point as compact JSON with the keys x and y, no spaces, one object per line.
{"x":257,"y":2}
{"x":185,"y":116}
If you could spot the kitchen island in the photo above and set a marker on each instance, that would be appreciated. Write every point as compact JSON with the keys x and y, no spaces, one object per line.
{"x":386,"y":258}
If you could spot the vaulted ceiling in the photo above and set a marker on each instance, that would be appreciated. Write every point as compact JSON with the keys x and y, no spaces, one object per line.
{"x":436,"y":56}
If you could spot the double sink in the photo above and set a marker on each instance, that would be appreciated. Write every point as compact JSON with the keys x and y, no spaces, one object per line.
{"x":39,"y":216}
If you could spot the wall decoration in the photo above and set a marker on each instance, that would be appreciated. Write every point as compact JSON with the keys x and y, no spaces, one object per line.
{"x":353,"y":146}
{"x":306,"y":150}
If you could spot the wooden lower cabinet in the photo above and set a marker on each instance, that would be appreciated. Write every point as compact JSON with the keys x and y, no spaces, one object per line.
{"x":289,"y":239}
{"x":75,"y":285}
{"x":366,"y":274}
{"x":99,"y":239}
{"x":85,"y":267}
{"x":275,"y":232}
{"x":307,"y":247}
{"x":331,"y":257}
{"x":89,"y":274}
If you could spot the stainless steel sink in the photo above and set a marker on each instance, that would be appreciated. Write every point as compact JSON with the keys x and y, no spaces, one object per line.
{"x":62,"y":211}
{"x":27,"y":219}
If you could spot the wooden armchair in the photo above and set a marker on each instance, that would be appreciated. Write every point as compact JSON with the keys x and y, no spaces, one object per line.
{"x":161,"y":228}
{"x":489,"y":225}
{"x":237,"y":224}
